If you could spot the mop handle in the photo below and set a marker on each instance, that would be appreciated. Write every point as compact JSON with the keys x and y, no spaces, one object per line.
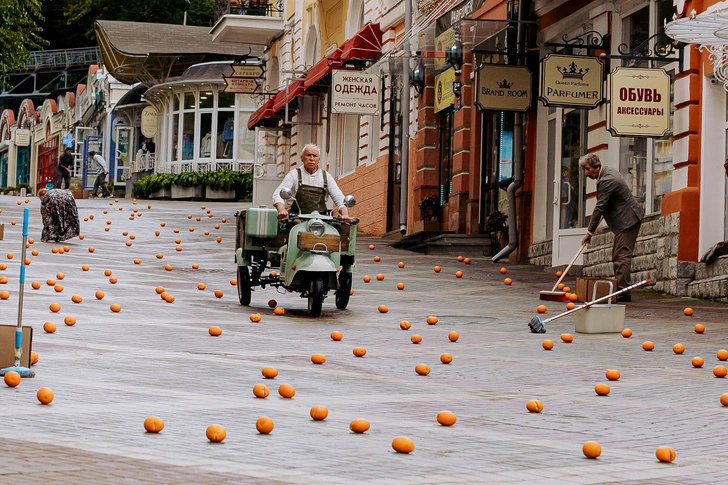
{"x":19,"y":330}
{"x":606,"y":297}
{"x":566,"y":271}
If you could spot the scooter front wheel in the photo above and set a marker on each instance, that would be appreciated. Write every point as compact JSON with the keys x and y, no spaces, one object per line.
{"x":244,"y":290}
{"x":316,"y":297}
{"x":344,"y":291}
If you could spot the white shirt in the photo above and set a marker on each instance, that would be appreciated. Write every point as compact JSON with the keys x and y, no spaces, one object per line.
{"x":102,"y":163}
{"x":290,"y":182}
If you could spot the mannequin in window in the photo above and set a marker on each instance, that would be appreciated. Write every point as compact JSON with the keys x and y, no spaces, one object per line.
{"x":188,"y":147}
{"x":206,"y":146}
{"x":227,"y":137}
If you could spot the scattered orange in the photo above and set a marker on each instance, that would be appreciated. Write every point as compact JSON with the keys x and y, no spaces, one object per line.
{"x":573,"y":297}
{"x":688,"y":312}
{"x":422,"y":369}
{"x":678,"y":348}
{"x":400,"y":286}
{"x":12,"y":378}
{"x":33,"y":357}
{"x":4,"y":295}
{"x":286,"y":391}
{"x":234,"y":282}
{"x":160,"y":255}
{"x":445,"y":358}
{"x":697,"y":362}
{"x":359,"y":426}
{"x":70,"y":321}
{"x":319,"y":413}
{"x":724,"y":399}
{"x":400,"y":264}
{"x":256,"y":317}
{"x":153,"y":424}
{"x":76,"y":299}
{"x":503,"y":270}
{"x":336,"y":336}
{"x":722,"y":354}
{"x":360,"y":351}
{"x":371,"y":247}
{"x":558,"y":274}
{"x":432,"y":320}
{"x":437,"y":269}
{"x":507,"y":281}
{"x":541,"y":309}
{"x":85,"y":268}
{"x":613,"y":374}
{"x":264,"y":425}
{"x":58,"y":288}
{"x":534,"y":406}
{"x":720,"y":371}
{"x":405,"y":325}
{"x":648,"y":346}
{"x":460,"y":259}
{"x":627,"y":333}
{"x":367,"y":278}
{"x":115,"y":307}
{"x":201,"y":286}
{"x":567,"y":338}
{"x":159,"y":290}
{"x":377,"y":259}
{"x":113,"y":280}
{"x":380,"y":277}
{"x":261,"y":391}
{"x":570,"y":306}
{"x":45,"y":395}
{"x":55,"y":307}
{"x":49,"y":327}
{"x":458,"y":274}
{"x":415,"y":339}
{"x":699,"y":328}
{"x":215,"y":433}
{"x":560,"y":286}
{"x":453,"y":336}
{"x":665,"y":454}
{"x":382,"y":308}
{"x":602,"y":389}
{"x":195,"y":266}
{"x":547,"y":344}
{"x":279,"y":311}
{"x":591,"y":449}
{"x":215,"y":331}
{"x":35,"y":285}
{"x":466,"y":260}
{"x":402,"y":444}
{"x":269,"y":372}
{"x":318,"y":359}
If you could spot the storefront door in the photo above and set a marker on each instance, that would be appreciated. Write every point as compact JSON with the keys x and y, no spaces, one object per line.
{"x":271,"y":145}
{"x":47,"y":163}
{"x":4,"y":169}
{"x":22,"y":166}
{"x":90,"y":170}
{"x":567,"y":132}
{"x":122,"y":158}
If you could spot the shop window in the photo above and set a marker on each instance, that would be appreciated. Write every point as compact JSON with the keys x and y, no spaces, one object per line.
{"x":246,"y":138}
{"x":572,"y":187}
{"x":205,"y":135}
{"x":175,"y":102}
{"x":188,"y":136}
{"x":374,"y":134}
{"x":349,"y":143}
{"x":226,"y":100}
{"x":446,"y":135}
{"x":175,"y":137}
{"x":207,"y":100}
{"x":505,"y":146}
{"x":225,"y":133}
{"x":189,"y":101}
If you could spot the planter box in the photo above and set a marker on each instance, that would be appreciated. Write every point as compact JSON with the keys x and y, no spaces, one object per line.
{"x":161,"y":194}
{"x":219,"y":194}
{"x":179,"y":192}
{"x":426,"y":226}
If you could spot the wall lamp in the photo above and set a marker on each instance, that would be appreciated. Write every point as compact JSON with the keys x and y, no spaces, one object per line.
{"x":454,"y":54}
{"x":417,"y":79}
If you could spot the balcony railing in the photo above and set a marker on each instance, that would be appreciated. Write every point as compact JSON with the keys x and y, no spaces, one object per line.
{"x":258,"y":8}
{"x":63,"y":58}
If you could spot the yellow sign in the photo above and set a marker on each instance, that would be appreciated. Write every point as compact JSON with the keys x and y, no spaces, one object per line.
{"x":639,"y":102}
{"x":572,"y":81}
{"x":149,"y":121}
{"x":504,"y":88}
{"x":444,"y":97}
{"x":443,"y":42}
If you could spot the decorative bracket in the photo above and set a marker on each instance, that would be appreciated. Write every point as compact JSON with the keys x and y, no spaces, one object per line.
{"x":659,"y":48}
{"x":718,"y":55}
{"x":591,"y":41}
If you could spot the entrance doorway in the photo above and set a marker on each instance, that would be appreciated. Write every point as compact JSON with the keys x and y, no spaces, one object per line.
{"x":22,"y":170}
{"x":47,"y":163}
{"x":4,"y":169}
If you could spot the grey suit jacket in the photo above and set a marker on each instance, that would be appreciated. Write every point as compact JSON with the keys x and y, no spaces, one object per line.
{"x":615,"y":203}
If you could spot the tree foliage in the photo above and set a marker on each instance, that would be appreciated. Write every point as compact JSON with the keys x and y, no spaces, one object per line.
{"x":19,"y":34}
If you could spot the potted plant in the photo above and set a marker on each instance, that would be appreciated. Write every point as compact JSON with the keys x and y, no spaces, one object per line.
{"x":187,"y":185}
{"x":496,"y":222}
{"x":429,"y":206}
{"x":222,"y":184}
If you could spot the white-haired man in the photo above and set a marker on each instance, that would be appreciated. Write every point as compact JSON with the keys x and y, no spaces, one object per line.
{"x":311,"y":186}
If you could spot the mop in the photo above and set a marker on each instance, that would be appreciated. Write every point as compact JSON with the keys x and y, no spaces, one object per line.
{"x":23,"y":371}
{"x":538,"y":326}
{"x":555,"y":295}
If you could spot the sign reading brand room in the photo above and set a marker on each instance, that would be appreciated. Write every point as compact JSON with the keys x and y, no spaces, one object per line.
{"x":572,"y":81}
{"x":639,"y":102}
{"x":504,"y":88}
{"x":355,"y":93}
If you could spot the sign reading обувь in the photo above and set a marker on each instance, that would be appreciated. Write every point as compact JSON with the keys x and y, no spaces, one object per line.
{"x":572,"y":81}
{"x":639,"y":102}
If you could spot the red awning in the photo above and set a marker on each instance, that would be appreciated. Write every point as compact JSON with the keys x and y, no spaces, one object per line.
{"x":366,"y":45}
{"x":295,"y":89}
{"x":264,"y":116}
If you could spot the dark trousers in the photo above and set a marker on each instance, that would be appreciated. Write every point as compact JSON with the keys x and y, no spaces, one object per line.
{"x":100,"y":182}
{"x":63,"y":176}
{"x":622,"y":254}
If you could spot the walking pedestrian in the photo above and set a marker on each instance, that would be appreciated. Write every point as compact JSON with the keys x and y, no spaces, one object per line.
{"x":65,"y":162}
{"x":101,"y":177}
{"x":621,"y":211}
{"x":60,"y":215}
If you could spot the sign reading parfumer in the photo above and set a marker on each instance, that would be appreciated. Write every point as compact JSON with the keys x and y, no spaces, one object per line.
{"x":572,"y":81}
{"x":639,"y":102}
{"x":504,"y":88}
{"x":355,"y":93}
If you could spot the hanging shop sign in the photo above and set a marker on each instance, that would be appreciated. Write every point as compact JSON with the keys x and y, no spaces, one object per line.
{"x":22,"y":137}
{"x":148,"y":121}
{"x":241,"y":85}
{"x":639,"y":102}
{"x":572,"y":81}
{"x":442,"y":43}
{"x":444,"y":97}
{"x":247,"y":71}
{"x":355,"y":93}
{"x":504,"y":88}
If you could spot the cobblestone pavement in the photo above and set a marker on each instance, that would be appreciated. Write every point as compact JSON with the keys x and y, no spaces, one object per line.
{"x":112,"y":370}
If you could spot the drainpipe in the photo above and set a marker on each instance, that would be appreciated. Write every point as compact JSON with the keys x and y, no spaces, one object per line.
{"x":404,"y":160}
{"x":524,"y":5}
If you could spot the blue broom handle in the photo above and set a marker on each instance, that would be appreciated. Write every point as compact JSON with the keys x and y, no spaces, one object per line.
{"x":19,"y":330}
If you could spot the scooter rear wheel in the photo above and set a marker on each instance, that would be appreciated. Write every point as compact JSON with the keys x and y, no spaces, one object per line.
{"x":344,"y":291}
{"x":316,"y":297}
{"x":244,"y":291}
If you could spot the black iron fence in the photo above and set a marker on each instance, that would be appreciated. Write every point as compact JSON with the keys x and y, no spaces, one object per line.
{"x":260,"y":8}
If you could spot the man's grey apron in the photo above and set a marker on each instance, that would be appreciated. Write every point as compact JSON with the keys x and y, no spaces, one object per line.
{"x":312,"y":198}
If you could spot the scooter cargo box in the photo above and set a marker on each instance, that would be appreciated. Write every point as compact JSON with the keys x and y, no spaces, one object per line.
{"x":261,"y":222}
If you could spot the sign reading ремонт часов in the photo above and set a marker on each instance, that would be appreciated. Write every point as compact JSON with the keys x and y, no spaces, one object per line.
{"x":355,"y":93}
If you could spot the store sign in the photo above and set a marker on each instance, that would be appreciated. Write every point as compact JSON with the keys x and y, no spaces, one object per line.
{"x":22,"y":137}
{"x":443,"y":42}
{"x":639,"y":102}
{"x":242,"y":85}
{"x":572,"y":81}
{"x":247,"y":71}
{"x":148,"y":121}
{"x":444,"y":97}
{"x":504,"y":88}
{"x":355,"y":93}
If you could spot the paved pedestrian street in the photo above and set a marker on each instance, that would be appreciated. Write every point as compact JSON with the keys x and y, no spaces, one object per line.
{"x":110,"y":370}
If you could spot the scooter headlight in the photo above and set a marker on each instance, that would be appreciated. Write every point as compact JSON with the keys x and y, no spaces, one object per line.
{"x":317,"y":228}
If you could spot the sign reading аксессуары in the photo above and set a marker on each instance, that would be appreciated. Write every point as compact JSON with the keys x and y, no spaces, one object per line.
{"x":355,"y":92}
{"x":639,"y":102}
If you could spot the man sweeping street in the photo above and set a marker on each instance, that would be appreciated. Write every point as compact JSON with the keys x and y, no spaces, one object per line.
{"x":100,"y":181}
{"x":623,"y":214}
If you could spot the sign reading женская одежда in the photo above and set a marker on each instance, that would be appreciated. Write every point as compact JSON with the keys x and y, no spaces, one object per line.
{"x":572,"y":81}
{"x":355,"y":93}
{"x":639,"y":102}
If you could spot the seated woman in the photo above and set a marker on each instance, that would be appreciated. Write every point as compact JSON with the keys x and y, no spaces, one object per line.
{"x":60,"y":215}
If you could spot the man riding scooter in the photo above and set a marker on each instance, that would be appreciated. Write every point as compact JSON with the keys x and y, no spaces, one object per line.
{"x":310,"y":186}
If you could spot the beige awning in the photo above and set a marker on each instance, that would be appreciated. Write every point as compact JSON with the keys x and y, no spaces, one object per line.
{"x":151,"y":53}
